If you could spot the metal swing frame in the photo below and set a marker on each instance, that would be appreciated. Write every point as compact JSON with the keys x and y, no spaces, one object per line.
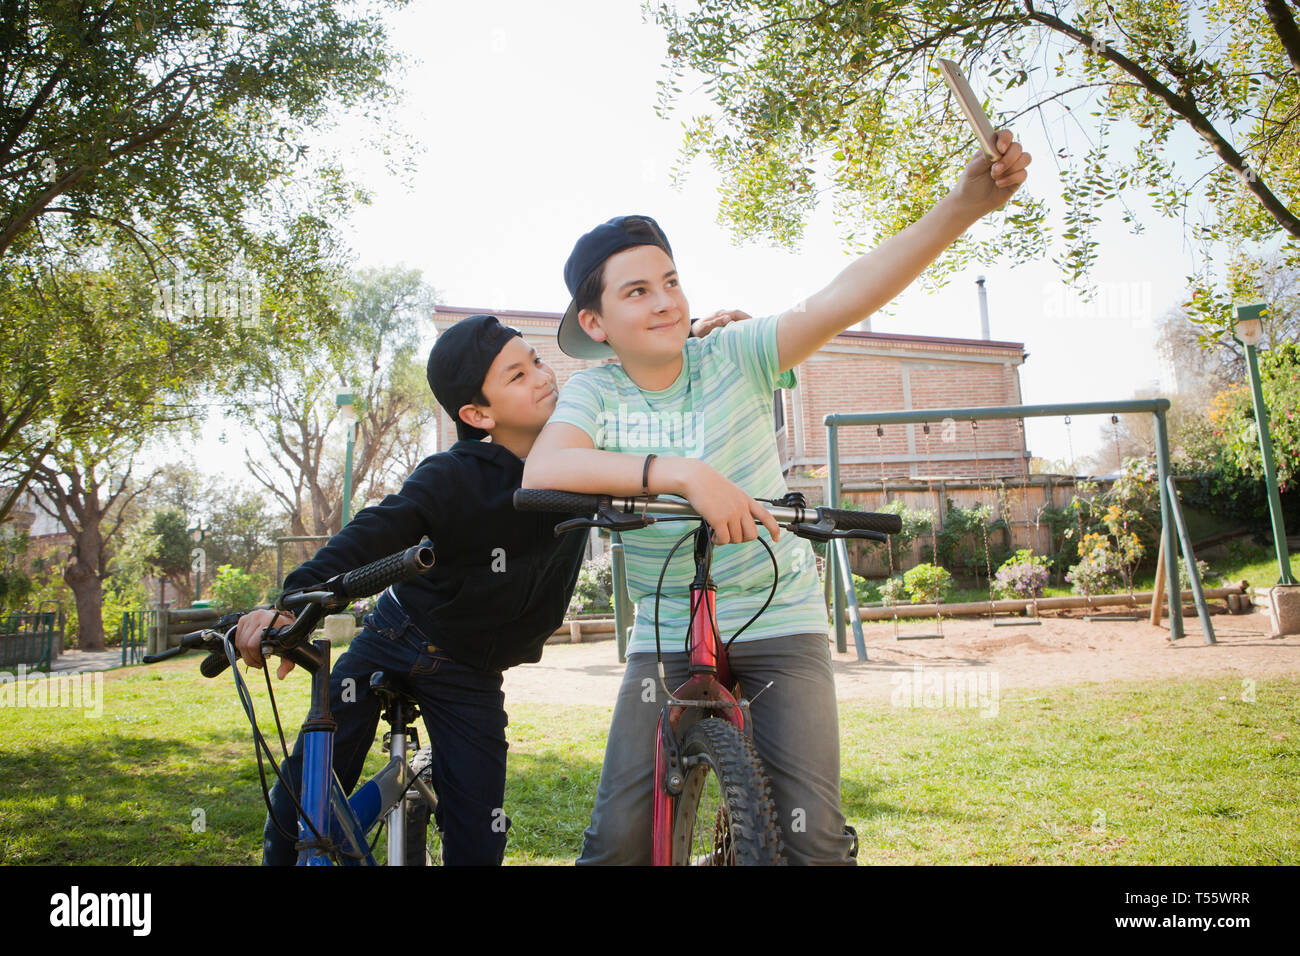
{"x":1157,"y":407}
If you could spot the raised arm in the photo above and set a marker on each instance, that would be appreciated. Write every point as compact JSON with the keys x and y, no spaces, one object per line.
{"x":874,"y":279}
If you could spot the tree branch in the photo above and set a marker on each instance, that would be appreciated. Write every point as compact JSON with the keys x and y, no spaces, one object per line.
{"x":43,"y":94}
{"x":1285,"y":27}
{"x":1183,"y":106}
{"x":75,"y":175}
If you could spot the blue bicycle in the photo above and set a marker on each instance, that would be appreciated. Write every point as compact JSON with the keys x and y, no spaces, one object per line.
{"x":333,"y":829}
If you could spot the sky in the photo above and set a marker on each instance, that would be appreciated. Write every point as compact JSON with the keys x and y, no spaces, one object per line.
{"x":537,"y":121}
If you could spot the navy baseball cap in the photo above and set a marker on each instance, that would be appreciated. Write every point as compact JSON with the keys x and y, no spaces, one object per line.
{"x":588,"y":254}
{"x":459,"y":361}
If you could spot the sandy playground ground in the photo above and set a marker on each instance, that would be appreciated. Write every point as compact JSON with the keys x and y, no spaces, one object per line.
{"x":1061,"y":650}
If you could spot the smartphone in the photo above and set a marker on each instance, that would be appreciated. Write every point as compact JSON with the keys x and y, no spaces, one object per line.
{"x":970,"y":105}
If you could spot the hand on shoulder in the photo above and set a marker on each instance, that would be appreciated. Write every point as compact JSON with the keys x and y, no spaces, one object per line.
{"x":702,"y":327}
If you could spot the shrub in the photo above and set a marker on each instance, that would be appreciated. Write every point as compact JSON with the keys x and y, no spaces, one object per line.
{"x":1185,"y":578}
{"x":891,"y":592}
{"x":961,"y":541}
{"x":595,"y":588}
{"x":1099,"y":570}
{"x":234,"y":589}
{"x":927,"y":583}
{"x":1023,"y":575}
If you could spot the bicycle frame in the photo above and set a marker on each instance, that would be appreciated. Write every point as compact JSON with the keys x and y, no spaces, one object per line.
{"x":709,"y":692}
{"x":705,"y":689}
{"x":344,"y":820}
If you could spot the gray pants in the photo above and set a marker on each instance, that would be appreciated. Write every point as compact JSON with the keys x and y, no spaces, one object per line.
{"x":796,"y":733}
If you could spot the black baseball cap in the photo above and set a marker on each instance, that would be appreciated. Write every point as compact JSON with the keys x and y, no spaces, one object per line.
{"x":459,"y":362}
{"x":588,"y":254}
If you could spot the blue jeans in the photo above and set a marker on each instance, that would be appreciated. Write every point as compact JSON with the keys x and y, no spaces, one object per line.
{"x":464,"y":714}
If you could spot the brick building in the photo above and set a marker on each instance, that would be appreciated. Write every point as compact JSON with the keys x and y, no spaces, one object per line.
{"x":859,"y":372}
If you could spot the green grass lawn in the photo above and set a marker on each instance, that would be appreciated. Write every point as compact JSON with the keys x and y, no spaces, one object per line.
{"x":1159,"y":772}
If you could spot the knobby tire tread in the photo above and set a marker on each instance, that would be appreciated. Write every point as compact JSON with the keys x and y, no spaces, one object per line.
{"x":755,"y":829}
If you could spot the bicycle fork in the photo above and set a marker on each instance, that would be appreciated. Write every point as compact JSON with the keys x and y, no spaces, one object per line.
{"x":705,"y":689}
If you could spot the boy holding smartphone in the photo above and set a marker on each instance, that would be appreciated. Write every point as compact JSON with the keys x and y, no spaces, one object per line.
{"x":628,"y":302}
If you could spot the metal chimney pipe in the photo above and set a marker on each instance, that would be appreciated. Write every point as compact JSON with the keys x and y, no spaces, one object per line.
{"x":984,"y":309}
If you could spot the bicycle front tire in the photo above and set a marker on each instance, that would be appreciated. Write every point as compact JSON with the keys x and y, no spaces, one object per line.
{"x":725,"y":815}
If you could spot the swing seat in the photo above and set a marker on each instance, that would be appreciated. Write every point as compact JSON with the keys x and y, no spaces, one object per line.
{"x":1016,"y":622}
{"x":917,"y":637}
{"x":1111,"y":617}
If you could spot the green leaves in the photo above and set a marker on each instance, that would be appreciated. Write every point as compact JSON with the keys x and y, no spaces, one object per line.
{"x":148,"y":144}
{"x":842,"y":99}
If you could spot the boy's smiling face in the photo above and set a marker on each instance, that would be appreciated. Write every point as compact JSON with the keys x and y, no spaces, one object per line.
{"x":643,"y":311}
{"x":521,"y":391}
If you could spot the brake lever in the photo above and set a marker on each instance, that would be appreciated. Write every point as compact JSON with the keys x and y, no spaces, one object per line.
{"x":609,"y":518}
{"x":823,"y":531}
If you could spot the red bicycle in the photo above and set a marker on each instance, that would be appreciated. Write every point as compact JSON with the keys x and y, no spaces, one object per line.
{"x":712,"y":800}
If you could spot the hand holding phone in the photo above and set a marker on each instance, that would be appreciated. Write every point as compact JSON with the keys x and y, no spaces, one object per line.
{"x":970,"y":106}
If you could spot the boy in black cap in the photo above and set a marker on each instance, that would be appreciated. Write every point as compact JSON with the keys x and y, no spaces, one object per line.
{"x":499,"y":588}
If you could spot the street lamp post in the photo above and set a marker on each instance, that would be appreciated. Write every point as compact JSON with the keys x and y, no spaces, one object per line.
{"x":346,"y":402}
{"x":1250,"y":330}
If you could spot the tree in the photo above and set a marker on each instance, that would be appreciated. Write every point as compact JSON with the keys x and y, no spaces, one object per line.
{"x":175,"y":127}
{"x":15,"y":584}
{"x":241,"y":527}
{"x":846,"y":96}
{"x":82,"y":492}
{"x":1234,"y":416}
{"x":177,"y":112}
{"x":290,"y":401}
{"x":170,"y":555}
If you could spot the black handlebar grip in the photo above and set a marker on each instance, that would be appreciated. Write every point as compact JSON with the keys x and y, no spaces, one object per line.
{"x":564,"y":502}
{"x":881,"y":521}
{"x":394,"y":569}
{"x":214,"y":664}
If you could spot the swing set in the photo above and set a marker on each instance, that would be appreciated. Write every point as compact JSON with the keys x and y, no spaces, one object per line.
{"x":837,"y":558}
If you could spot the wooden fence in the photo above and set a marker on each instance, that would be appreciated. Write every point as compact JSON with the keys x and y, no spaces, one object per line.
{"x":1021,"y":505}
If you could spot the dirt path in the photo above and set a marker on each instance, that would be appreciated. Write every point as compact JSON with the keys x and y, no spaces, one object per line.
{"x":1059,"y":651}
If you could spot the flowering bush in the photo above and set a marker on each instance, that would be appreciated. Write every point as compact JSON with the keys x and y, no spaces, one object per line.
{"x":1023,"y":575}
{"x":927,"y":583}
{"x":1185,"y":579}
{"x":888,"y":592}
{"x":891,"y":592}
{"x":1099,"y":570}
{"x":595,"y":587}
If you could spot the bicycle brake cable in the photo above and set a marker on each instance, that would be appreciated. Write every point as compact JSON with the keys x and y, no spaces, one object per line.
{"x":659,"y":657}
{"x":776,"y":576}
{"x":260,"y":745}
{"x":275,"y":712}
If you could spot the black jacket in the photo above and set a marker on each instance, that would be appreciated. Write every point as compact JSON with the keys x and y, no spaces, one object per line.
{"x":501,"y":580}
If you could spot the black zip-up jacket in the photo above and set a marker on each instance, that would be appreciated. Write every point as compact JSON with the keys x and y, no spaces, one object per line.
{"x":501,"y":580}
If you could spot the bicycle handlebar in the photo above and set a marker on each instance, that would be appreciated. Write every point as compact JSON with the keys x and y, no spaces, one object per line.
{"x":313,"y":602}
{"x":544,"y":499}
{"x":384,"y":573}
{"x":817,"y":523}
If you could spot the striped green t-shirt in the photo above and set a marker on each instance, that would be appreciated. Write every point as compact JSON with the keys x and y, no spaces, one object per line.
{"x":719,"y":410}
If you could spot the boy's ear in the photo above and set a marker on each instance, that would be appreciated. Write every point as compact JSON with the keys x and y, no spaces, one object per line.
{"x":475,"y":416}
{"x":590,"y":322}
